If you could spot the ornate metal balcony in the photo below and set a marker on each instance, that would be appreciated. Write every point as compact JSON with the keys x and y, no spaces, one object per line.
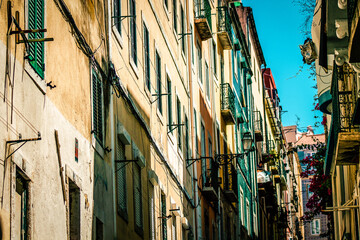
{"x":231,"y":184}
{"x":203,"y":19}
{"x":224,"y":28}
{"x":344,"y":134}
{"x":258,"y":126}
{"x":227,"y":103}
{"x":210,"y":181}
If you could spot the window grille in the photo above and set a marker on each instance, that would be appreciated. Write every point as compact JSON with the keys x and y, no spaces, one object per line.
{"x":138,"y":199}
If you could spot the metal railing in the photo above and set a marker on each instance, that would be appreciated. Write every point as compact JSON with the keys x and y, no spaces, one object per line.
{"x":203,"y":10}
{"x":268,"y":146}
{"x":210,"y":174}
{"x":257,"y":121}
{"x":224,"y":21}
{"x":231,"y":179}
{"x":344,"y":92}
{"x":227,"y":98}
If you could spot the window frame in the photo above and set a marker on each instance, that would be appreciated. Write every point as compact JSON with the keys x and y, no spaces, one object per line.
{"x":158,"y":81}
{"x":122,"y":212}
{"x":313,"y":227}
{"x":132,"y":32}
{"x":138,"y":229}
{"x":147,"y":61}
{"x":95,"y":76}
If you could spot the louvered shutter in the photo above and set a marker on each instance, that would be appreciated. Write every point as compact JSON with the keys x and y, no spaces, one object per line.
{"x":117,"y":14}
{"x":36,"y":49}
{"x":137,"y":197}
{"x":121,"y":180}
{"x":97,"y":107}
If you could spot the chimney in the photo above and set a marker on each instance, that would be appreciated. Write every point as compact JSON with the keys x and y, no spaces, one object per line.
{"x":310,"y":130}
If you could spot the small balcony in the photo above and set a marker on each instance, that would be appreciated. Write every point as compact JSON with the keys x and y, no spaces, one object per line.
{"x":283,"y":177}
{"x":267,"y":147}
{"x":231,"y":184}
{"x":224,"y":28}
{"x":203,"y":19}
{"x":344,"y":137}
{"x":258,"y":126}
{"x":227,"y":104}
{"x":210,"y":180}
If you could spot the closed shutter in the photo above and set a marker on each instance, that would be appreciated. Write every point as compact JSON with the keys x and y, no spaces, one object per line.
{"x":133,"y":31}
{"x":97,"y":108}
{"x":137,"y":198}
{"x":163,"y":216}
{"x":147,"y":57}
{"x":117,"y":14}
{"x":36,"y":49}
{"x":121,"y":180}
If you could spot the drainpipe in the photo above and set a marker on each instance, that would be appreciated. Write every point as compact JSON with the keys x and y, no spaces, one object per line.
{"x":194,"y":182}
{"x":112,"y":128}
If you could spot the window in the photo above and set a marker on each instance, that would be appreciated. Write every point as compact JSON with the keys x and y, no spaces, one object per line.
{"x":152,"y":212}
{"x":97,"y":107}
{"x":247,"y":215}
{"x":74,"y":210}
{"x":209,"y":145}
{"x":203,"y":152}
{"x":175,"y":15}
{"x":186,"y":145}
{"x":21,"y":207}
{"x":192,"y":44}
{"x":178,"y":107}
{"x":99,"y":229}
{"x":36,"y":49}
{"x":196,"y":137}
{"x":138,"y":199}
{"x":214,"y":57}
{"x":166,"y":4}
{"x":163,"y":216}
{"x":222,"y":76}
{"x":199,"y":62}
{"x":315,"y":227}
{"x":117,"y":15}
{"x":120,"y":169}
{"x":218,"y":139}
{"x":173,"y":228}
{"x":169,"y":104}
{"x":158,"y":80}
{"x":242,"y":206}
{"x":183,"y":37}
{"x":207,"y":81}
{"x":147,"y":58}
{"x":133,"y":31}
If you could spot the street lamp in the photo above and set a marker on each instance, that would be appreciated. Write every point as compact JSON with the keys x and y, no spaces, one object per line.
{"x":247,"y":141}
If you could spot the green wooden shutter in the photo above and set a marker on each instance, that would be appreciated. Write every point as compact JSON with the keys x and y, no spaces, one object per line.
{"x":137,"y":198}
{"x":36,"y":49}
{"x":121,"y":180}
{"x":97,"y":108}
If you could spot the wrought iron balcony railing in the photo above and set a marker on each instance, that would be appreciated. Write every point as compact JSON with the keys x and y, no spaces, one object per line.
{"x":210,"y":180}
{"x":224,"y":27}
{"x":227,"y":103}
{"x":230,"y":183}
{"x":258,"y":127}
{"x":203,"y":18}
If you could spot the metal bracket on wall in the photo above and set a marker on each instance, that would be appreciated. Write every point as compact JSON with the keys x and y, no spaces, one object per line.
{"x":158,"y":96}
{"x":23,"y":141}
{"x":126,"y":161}
{"x":175,"y":126}
{"x":184,"y":34}
{"x":122,"y":18}
{"x":193,"y":160}
{"x":224,"y":159}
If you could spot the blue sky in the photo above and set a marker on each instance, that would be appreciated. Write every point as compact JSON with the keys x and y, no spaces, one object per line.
{"x":278,"y":25}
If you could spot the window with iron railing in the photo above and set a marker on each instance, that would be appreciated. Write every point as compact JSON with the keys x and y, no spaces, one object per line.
{"x":203,"y":10}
